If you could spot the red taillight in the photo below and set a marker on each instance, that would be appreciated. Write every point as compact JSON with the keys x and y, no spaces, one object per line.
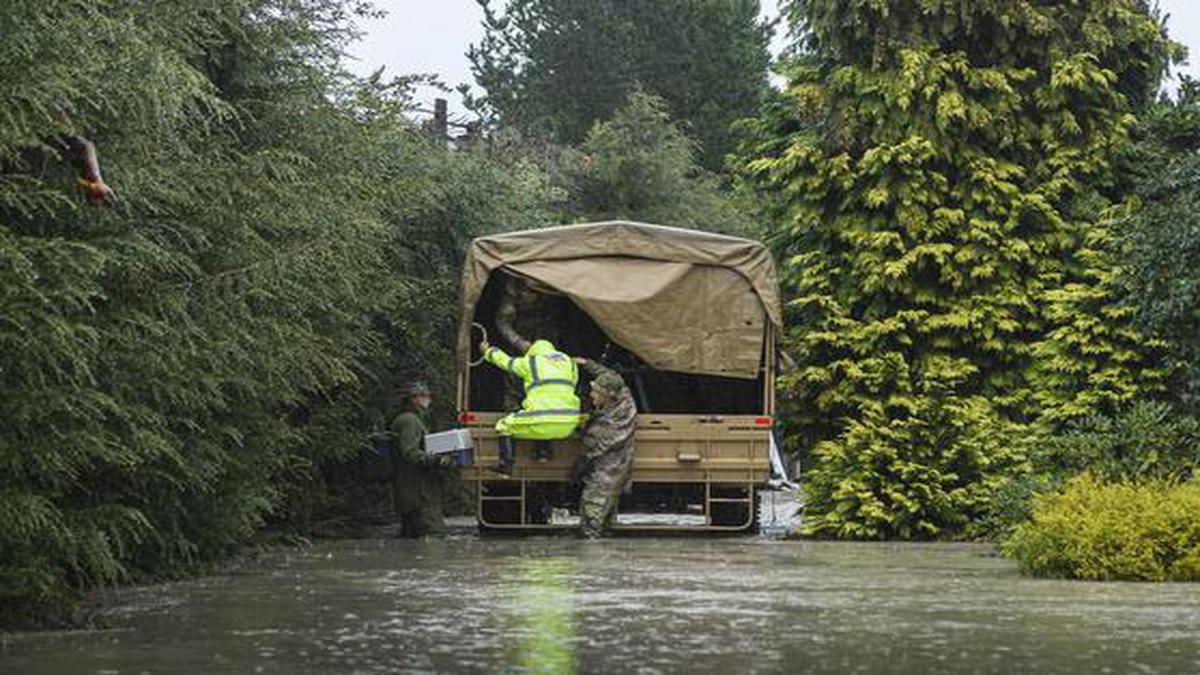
{"x":763,"y":421}
{"x":466,"y":417}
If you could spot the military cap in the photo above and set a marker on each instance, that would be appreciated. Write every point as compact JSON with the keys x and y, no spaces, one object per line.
{"x":609,"y":382}
{"x":416,"y":388}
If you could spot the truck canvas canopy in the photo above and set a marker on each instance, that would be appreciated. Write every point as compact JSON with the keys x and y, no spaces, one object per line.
{"x":681,"y":300}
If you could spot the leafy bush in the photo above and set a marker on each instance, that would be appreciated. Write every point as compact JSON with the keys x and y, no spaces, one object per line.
{"x":1096,"y":530}
{"x":1149,"y":440}
{"x":928,"y":475}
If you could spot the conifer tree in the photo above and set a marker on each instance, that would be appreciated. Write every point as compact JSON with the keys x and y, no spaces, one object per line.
{"x":556,"y":67}
{"x":179,"y":368}
{"x":941,"y":174}
{"x":639,"y":165}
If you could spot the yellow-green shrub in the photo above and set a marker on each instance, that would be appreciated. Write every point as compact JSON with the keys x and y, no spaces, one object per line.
{"x":1143,"y":531}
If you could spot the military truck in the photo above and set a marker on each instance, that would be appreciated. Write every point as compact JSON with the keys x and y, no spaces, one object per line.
{"x":691,"y":319}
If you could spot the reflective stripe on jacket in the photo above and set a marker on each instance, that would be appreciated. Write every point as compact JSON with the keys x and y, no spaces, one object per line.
{"x":549,"y":377}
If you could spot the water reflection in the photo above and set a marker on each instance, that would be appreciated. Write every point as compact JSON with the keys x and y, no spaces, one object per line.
{"x":543,"y":617}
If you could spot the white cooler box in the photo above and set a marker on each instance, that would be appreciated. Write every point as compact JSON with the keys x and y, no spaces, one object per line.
{"x":456,"y":443}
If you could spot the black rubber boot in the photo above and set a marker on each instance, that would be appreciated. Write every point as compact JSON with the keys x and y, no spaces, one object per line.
{"x":543,"y":451}
{"x":508,"y":455}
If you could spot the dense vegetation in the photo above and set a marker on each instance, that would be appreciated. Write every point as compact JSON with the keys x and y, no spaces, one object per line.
{"x":178,"y":368}
{"x":207,"y":357}
{"x":1161,"y":239}
{"x":641,"y":166}
{"x":944,"y":177}
{"x":988,"y":228}
{"x":555,"y":67}
{"x":1104,"y":531}
{"x":1132,"y":512}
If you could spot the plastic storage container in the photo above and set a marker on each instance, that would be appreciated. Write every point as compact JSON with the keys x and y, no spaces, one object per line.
{"x":456,"y":443}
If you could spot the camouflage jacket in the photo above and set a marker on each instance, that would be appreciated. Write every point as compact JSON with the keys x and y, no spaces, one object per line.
{"x":608,"y":435}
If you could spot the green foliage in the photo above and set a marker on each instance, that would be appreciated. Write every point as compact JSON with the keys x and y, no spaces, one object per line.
{"x":185,"y":368}
{"x":915,"y":474}
{"x":558,"y":66}
{"x":1150,"y":440}
{"x":1147,"y":441}
{"x":1162,"y":237}
{"x":639,"y":165}
{"x":1095,"y":530}
{"x":938,"y":181}
{"x":998,"y":32}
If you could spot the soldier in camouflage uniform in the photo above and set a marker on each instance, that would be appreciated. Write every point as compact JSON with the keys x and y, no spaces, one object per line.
{"x":606,"y":464}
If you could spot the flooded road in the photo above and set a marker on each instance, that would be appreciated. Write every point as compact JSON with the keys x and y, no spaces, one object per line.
{"x":465,"y":604}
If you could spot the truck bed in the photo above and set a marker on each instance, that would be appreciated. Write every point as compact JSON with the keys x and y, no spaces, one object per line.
{"x":669,"y":449}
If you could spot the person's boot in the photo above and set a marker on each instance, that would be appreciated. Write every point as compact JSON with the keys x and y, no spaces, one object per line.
{"x":543,"y":451}
{"x":508,"y":455}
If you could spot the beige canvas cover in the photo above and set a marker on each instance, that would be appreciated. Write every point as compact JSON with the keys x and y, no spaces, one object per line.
{"x":682,"y":300}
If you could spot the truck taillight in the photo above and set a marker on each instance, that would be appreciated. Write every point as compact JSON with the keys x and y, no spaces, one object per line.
{"x":763,"y":421}
{"x":466,"y":417}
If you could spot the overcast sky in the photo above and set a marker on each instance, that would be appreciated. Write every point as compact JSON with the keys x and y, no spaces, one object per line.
{"x":432,"y":36}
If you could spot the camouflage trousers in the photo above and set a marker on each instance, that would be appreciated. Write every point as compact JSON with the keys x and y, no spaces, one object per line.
{"x":603,"y":483}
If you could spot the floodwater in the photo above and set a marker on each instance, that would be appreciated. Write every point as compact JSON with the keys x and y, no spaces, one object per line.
{"x":637,"y":605}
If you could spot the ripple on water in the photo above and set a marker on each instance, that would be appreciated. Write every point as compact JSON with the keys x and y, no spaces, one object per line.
{"x":639,"y":605}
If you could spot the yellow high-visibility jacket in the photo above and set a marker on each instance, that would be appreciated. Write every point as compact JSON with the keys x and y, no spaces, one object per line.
{"x":550,"y":378}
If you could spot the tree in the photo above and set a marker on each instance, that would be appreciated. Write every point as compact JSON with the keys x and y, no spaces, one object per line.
{"x":639,"y":165}
{"x":186,"y":367}
{"x":1161,"y":237}
{"x":940,"y":177}
{"x":555,"y":67}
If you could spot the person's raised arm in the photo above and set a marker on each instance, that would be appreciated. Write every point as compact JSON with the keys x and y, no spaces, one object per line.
{"x":504,"y":318}
{"x":594,"y":368}
{"x":518,"y":365}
